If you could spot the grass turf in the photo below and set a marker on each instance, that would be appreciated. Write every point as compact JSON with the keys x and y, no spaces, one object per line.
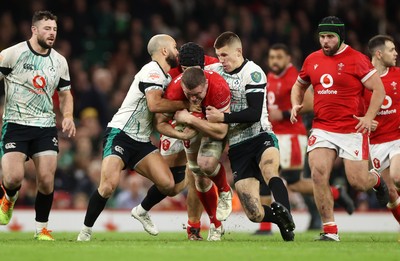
{"x":113,"y":246}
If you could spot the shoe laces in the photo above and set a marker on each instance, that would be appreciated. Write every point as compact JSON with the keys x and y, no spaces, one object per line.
{"x":46,"y":232}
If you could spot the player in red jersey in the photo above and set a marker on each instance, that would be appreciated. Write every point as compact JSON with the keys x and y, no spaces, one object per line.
{"x":385,"y":140}
{"x":203,"y":88}
{"x":292,"y":137}
{"x":172,"y":149}
{"x":339,"y":75}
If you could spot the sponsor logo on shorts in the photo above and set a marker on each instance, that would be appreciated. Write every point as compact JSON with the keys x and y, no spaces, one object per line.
{"x":10,"y":145}
{"x":55,"y":141}
{"x":186,"y":143}
{"x":165,"y":145}
{"x":311,"y":140}
{"x":356,"y":152}
{"x":119,"y":149}
{"x":377,"y":163}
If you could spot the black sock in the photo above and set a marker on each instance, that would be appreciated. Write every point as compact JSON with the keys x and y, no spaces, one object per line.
{"x":11,"y":192}
{"x":268,"y":215}
{"x":95,"y":207}
{"x":279,"y":191}
{"x":43,"y":206}
{"x":153,"y":197}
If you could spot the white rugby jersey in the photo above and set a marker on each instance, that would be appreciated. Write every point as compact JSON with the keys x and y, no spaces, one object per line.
{"x":30,"y":81}
{"x":134,"y":117}
{"x":245,"y":79}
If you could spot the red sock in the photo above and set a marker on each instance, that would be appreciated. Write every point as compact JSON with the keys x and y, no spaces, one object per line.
{"x":335,"y":192}
{"x":194,"y":224}
{"x":220,"y":180}
{"x":265,"y":226}
{"x":330,"y":228}
{"x":395,"y":209}
{"x":378,"y":182}
{"x":209,"y":200}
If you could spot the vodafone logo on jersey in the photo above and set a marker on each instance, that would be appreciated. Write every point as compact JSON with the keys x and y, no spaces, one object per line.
{"x":39,"y":82}
{"x":387,"y":103}
{"x":326,"y":81}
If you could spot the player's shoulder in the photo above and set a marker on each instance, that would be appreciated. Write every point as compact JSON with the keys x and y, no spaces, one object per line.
{"x":215,"y":79}
{"x":394,"y":70}
{"x":152,"y":71}
{"x":210,"y":60}
{"x":16,"y":48}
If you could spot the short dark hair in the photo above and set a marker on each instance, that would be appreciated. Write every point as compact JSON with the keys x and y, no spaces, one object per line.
{"x":40,"y":15}
{"x":226,"y":38}
{"x":377,"y":42}
{"x":191,"y":54}
{"x":193,"y":77}
{"x":280,"y":46}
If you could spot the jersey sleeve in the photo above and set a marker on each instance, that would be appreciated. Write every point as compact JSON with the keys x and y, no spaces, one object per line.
{"x":5,"y":63}
{"x":210,"y":60}
{"x":256,"y":81}
{"x":64,"y":84}
{"x":152,"y":79}
{"x":219,"y":91}
{"x":364,"y":69}
{"x":304,"y":77}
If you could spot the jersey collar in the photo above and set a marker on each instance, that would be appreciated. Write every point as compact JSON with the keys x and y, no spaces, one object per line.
{"x":36,"y":53}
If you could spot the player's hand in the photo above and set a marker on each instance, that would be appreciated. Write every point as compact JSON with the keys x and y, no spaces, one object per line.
{"x":68,"y":125}
{"x":364,"y":124}
{"x":195,"y":107}
{"x":374,"y":125}
{"x":188,"y":133}
{"x":182,"y":116}
{"x":214,"y":115}
{"x":295,"y":111}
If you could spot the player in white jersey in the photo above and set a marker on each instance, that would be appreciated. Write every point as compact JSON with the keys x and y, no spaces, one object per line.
{"x":385,"y":140}
{"x":127,"y":139}
{"x":32,"y":72}
{"x":253,"y":147}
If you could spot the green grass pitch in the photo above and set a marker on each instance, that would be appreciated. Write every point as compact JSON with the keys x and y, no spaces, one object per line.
{"x":113,"y":246}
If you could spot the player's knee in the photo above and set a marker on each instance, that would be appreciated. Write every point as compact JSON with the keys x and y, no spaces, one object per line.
{"x":203,"y":184}
{"x":46,"y":184}
{"x":106,"y":189}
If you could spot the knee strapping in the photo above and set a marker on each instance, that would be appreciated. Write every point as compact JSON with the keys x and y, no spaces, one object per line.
{"x":194,"y":168}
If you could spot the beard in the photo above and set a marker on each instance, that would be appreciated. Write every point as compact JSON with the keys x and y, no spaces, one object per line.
{"x":43,"y":44}
{"x":277,"y":70}
{"x":332,"y":51}
{"x":172,"y":61}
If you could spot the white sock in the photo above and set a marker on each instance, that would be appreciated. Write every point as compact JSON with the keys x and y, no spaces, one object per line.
{"x":87,"y":229}
{"x":141,"y":210}
{"x":40,"y":226}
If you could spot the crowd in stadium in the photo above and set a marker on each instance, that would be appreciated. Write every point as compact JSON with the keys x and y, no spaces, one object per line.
{"x":105,"y":44}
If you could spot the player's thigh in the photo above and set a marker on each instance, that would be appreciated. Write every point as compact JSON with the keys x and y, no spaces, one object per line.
{"x":356,"y":171}
{"x":269,"y":163}
{"x":395,"y":168}
{"x":321,"y":161}
{"x":155,"y":168}
{"x":12,"y":164}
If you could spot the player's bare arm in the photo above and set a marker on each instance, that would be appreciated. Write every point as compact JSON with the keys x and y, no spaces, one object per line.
{"x":163,"y":126}
{"x":297,"y":98}
{"x":156,"y":103}
{"x":66,"y":107}
{"x":212,"y":129}
{"x":374,"y":83}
